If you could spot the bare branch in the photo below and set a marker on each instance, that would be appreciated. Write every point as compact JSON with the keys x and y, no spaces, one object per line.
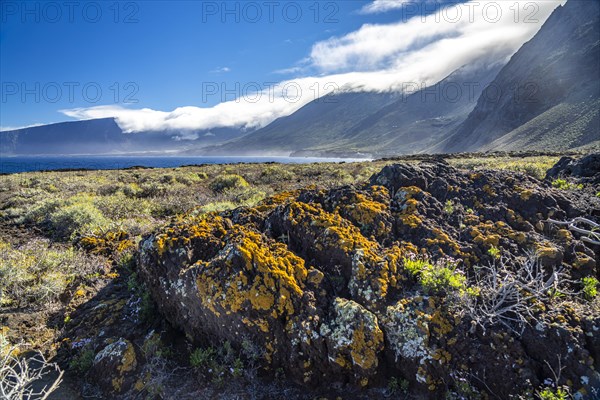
{"x":18,"y":375}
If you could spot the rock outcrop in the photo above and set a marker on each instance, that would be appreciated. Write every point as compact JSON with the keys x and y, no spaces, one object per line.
{"x":359,"y":284}
{"x":583,"y":170}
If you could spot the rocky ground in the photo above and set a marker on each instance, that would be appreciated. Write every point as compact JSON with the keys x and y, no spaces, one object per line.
{"x":426,"y":281}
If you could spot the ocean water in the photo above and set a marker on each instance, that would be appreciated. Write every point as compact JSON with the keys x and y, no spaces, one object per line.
{"x":10,"y":165}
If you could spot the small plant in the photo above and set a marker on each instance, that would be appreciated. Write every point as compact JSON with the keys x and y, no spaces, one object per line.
{"x":494,"y":252}
{"x":396,"y":385}
{"x":147,"y":307}
{"x":82,"y":362}
{"x":228,"y":182}
{"x":238,"y":368}
{"x":590,"y":287}
{"x":563,"y":184}
{"x":202,"y":358}
{"x":441,"y":276}
{"x":449,"y":207}
{"x":76,"y":218}
{"x":154,"y":347}
{"x":554,"y":394}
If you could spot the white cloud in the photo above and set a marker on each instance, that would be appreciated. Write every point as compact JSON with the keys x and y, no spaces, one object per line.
{"x":287,"y":71}
{"x":220,"y":70}
{"x":381,"y":6}
{"x":380,"y":57}
{"x":375,"y":47}
{"x":14,"y":128}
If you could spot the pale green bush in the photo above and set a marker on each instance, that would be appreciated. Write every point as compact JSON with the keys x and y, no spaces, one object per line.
{"x":228,"y":182}
{"x":77,"y":218}
{"x":38,"y":274}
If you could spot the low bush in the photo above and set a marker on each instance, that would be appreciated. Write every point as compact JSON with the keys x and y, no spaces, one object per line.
{"x":563,"y":184}
{"x":38,"y":274}
{"x":590,"y":287}
{"x":75,"y":218}
{"x":442,"y":276}
{"x":228,"y":182}
{"x":82,"y":362}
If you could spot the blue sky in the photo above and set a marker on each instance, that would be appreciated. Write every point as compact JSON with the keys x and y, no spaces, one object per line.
{"x":165,"y":56}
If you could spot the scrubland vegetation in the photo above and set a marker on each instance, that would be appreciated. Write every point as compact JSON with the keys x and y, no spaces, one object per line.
{"x":68,"y":243}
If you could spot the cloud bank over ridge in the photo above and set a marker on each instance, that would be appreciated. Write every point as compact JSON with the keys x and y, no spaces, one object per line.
{"x":376,"y":57}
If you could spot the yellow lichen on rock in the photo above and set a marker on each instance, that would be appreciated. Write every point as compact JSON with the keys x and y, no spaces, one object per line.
{"x":269,"y":281}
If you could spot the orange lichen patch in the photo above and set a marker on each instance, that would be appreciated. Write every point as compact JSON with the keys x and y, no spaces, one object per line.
{"x":107,"y":243}
{"x":380,"y":193}
{"x":411,"y":221}
{"x":364,"y":211}
{"x":525,"y":194}
{"x":518,"y":237}
{"x":564,"y":235}
{"x":583,"y":260}
{"x":336,"y":231}
{"x":408,"y":192}
{"x":408,"y":214}
{"x":441,"y":326}
{"x":270,"y":203}
{"x":471,"y":219}
{"x":373,"y":268}
{"x":514,"y":217}
{"x":479,"y":237}
{"x":252,"y":273}
{"x":490,"y":233}
{"x":441,"y":239}
{"x":442,"y":356}
{"x":548,"y":251}
{"x":360,"y":348}
{"x":182,"y":231}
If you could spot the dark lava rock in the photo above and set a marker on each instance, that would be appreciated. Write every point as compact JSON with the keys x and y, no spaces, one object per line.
{"x":113,"y":366}
{"x":319,"y":280}
{"x":586,"y":169}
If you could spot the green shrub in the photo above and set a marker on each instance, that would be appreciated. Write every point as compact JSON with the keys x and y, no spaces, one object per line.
{"x":228,"y":182}
{"x":39,"y":212}
{"x":554,"y":394}
{"x":188,"y":178}
{"x":154,"y":347}
{"x":152,"y":189}
{"x":75,"y":218}
{"x":439,"y":277}
{"x":562,"y":184}
{"x":218,"y":206}
{"x":38,"y":274}
{"x":247,"y":196}
{"x":274,"y":174}
{"x":590,"y":287}
{"x":202,"y":358}
{"x":449,"y":207}
{"x":82,"y":362}
{"x":167,"y":179}
{"x":132,"y":190}
{"x":494,"y":252}
{"x":120,"y":206}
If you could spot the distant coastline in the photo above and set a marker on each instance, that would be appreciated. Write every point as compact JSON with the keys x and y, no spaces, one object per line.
{"x":16,"y":164}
